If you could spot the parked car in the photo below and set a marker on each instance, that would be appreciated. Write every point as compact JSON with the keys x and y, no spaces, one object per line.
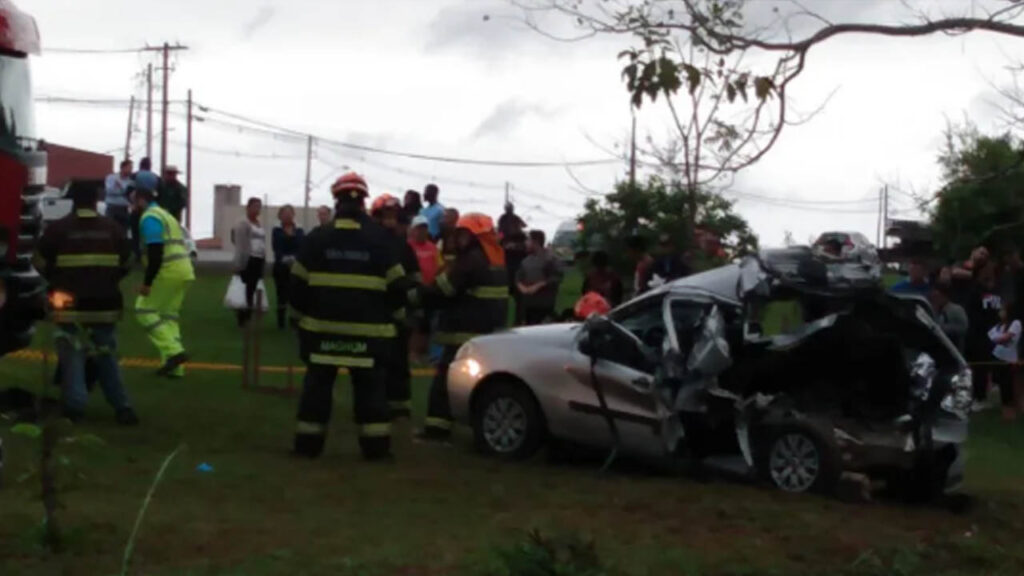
{"x":699,"y":369}
{"x":56,"y":204}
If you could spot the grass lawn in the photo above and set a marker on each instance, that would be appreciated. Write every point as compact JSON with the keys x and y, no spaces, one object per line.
{"x":442,"y":510}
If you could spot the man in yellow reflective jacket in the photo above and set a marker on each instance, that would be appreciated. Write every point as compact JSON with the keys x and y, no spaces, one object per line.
{"x":167,"y":279}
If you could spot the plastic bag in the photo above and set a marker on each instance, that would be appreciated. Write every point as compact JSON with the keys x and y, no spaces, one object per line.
{"x":234,"y":298}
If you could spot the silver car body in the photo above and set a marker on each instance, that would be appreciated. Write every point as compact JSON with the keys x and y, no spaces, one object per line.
{"x":550,"y":362}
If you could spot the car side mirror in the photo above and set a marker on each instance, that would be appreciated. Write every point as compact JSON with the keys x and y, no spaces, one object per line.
{"x":596,"y":332}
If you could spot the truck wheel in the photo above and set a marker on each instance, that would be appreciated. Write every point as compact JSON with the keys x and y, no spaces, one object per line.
{"x":796,"y":458}
{"x":507,"y":421}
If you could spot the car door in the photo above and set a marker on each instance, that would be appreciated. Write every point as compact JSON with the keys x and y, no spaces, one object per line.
{"x":626,"y":375}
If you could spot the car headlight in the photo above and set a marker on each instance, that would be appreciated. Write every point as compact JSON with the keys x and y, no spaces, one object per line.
{"x":961,"y":394}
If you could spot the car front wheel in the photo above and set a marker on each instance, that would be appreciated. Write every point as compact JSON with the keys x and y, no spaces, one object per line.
{"x":507,"y":421}
{"x":797,"y":459}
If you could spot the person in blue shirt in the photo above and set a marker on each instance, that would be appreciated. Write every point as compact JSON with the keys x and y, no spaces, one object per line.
{"x":433,"y":211}
{"x":145,"y":178}
{"x":916,"y":282}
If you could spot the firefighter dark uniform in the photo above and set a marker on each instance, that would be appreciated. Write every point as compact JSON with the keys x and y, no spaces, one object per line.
{"x":84,"y":256}
{"x":472,"y":296}
{"x":386,"y":210}
{"x":344,"y":293}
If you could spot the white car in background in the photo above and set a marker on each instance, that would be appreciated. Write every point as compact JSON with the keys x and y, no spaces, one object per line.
{"x":55,"y":204}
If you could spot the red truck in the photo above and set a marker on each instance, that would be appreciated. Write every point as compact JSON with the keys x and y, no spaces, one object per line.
{"x":22,"y":181}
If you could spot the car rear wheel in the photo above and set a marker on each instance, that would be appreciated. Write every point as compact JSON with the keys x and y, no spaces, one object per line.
{"x":797,"y":459}
{"x":507,"y":421}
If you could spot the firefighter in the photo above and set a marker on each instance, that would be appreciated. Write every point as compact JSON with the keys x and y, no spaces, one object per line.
{"x":345,"y":292}
{"x":84,"y":256}
{"x":472,"y":294}
{"x":168,"y":276}
{"x":387,"y":211}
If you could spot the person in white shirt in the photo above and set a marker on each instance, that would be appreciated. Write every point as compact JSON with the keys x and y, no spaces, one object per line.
{"x":116,"y":195}
{"x":1006,"y":337}
{"x":250,"y":255}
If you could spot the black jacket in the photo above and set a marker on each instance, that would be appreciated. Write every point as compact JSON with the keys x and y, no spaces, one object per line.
{"x":347,"y":285}
{"x":472,"y":296}
{"x":85,"y":255}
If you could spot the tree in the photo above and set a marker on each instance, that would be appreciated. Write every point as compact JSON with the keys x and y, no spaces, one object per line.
{"x":725,"y":82}
{"x":658,"y":207}
{"x":982,"y":200}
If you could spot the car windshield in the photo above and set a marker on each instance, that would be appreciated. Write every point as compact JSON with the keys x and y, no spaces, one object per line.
{"x":17,"y":122}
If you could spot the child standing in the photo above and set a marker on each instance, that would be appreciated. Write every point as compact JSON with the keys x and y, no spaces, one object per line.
{"x":1006,"y":337}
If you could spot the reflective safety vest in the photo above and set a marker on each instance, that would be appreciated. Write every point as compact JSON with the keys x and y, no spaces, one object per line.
{"x":473,"y":297}
{"x":347,"y":285}
{"x":84,"y":256}
{"x":177,"y":264}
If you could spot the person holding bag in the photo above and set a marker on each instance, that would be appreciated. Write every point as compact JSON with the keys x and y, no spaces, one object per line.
{"x":250,"y":256}
{"x":286,"y":239}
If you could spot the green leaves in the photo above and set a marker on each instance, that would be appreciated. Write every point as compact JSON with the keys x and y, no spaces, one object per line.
{"x":763,"y":87}
{"x":27,"y":430}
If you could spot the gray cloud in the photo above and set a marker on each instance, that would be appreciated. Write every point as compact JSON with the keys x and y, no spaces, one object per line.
{"x":259,"y":21}
{"x":481,"y":27}
{"x":507,"y":116}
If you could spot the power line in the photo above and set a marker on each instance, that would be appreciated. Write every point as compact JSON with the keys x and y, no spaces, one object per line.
{"x":94,"y":50}
{"x":414,"y":155}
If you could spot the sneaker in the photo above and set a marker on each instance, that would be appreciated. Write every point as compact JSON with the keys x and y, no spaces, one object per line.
{"x":171,"y":367}
{"x":127,"y":417}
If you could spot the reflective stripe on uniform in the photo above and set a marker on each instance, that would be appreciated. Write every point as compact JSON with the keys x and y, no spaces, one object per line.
{"x":445,"y":285}
{"x":88,"y":260}
{"x":343,"y":361}
{"x":454,"y":338}
{"x":174,"y":257}
{"x":347,"y":224}
{"x":86,"y":317}
{"x":400,"y":404}
{"x":299,"y":271}
{"x":396,"y":272}
{"x":490,"y":292}
{"x":400,"y":314}
{"x":310,"y":428}
{"x":440,"y":423}
{"x":354,"y":281}
{"x":381,"y":430}
{"x":348,"y":328}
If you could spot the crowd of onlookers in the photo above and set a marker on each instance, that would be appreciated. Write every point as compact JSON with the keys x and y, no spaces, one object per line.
{"x":979,"y":303}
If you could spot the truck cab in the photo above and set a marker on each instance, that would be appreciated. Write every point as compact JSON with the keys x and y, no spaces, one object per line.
{"x":22,"y":182}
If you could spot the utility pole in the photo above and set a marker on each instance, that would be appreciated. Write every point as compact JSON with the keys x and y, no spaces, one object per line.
{"x":507,"y":196}
{"x":163,"y":127}
{"x":188,"y":164}
{"x":149,"y":111}
{"x":878,"y":227}
{"x":128,"y":138}
{"x":166,"y":50}
{"x":309,"y":181}
{"x":885,"y":212}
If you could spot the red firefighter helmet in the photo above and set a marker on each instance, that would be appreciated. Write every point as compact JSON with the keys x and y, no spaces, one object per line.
{"x":351,"y":185}
{"x":384,"y":202}
{"x":478,"y":224}
{"x":591,"y":303}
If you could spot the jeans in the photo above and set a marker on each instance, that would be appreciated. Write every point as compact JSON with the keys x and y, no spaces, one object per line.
{"x":76,"y":343}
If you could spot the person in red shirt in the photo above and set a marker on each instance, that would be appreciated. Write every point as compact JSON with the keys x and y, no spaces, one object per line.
{"x":426,"y":251}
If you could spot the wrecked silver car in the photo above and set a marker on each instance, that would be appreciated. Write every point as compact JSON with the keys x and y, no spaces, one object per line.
{"x":785,"y":367}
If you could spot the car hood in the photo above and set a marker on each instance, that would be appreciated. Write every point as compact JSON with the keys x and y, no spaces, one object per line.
{"x":539,"y":335}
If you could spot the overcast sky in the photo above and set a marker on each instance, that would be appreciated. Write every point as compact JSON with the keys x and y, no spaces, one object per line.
{"x":433,"y":77}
